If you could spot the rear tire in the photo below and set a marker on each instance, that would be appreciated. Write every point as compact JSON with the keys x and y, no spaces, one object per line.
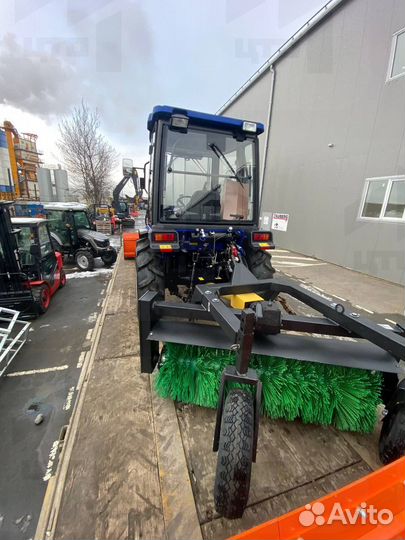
{"x":42,"y":299}
{"x":109,"y":257}
{"x":150,"y":275}
{"x":259,"y":263}
{"x":84,"y":259}
{"x":235,"y":452}
{"x":392,"y":437}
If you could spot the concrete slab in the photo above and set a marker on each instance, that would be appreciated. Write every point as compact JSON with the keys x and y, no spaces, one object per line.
{"x":372,"y":293}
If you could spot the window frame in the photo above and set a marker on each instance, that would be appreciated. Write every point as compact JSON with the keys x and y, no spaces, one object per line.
{"x":381,"y":219}
{"x":392,"y":57}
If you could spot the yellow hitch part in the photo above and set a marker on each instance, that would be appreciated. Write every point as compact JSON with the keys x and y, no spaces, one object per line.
{"x":241,"y":301}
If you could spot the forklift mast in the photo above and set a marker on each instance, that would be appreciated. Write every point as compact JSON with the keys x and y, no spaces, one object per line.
{"x":9,"y":262}
{"x":12,"y":286}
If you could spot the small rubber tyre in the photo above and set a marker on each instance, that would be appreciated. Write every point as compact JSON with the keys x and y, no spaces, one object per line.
{"x":84,"y":259}
{"x":42,"y":299}
{"x":62,"y":279}
{"x":109,"y":257}
{"x":391,"y":445}
{"x":235,"y":452}
{"x":150,"y":274}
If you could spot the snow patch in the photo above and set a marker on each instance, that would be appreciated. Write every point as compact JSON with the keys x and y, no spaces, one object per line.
{"x":95,"y":273}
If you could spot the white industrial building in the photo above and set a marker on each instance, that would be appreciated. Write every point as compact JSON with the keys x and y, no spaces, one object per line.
{"x":333,"y":102}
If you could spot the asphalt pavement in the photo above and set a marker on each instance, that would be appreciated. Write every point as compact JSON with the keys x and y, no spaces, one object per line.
{"x":42,"y":379}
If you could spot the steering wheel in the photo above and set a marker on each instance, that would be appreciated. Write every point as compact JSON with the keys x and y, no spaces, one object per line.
{"x":181,"y":203}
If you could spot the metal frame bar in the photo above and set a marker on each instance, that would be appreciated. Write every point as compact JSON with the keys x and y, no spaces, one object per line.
{"x":207,"y":305}
{"x":10,"y":344}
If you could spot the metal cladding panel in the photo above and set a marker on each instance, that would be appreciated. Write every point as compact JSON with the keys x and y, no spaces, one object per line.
{"x":5,"y":170}
{"x":45,"y":185}
{"x":62,"y":185}
{"x":336,"y":121}
{"x":3,"y":140}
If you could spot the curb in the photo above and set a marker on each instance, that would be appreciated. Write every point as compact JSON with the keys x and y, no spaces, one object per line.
{"x":54,"y":491}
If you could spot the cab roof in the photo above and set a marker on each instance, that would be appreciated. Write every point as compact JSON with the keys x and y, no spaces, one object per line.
{"x":27,"y":220}
{"x":199,"y":119}
{"x":64,"y":206}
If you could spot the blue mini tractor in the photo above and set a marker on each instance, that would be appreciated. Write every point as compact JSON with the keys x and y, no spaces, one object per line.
{"x":233,"y":343}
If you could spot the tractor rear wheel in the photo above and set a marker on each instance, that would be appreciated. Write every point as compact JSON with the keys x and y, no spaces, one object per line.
{"x":84,"y":259}
{"x":150,"y":275}
{"x":42,"y":299}
{"x":259,"y":263}
{"x":235,"y":453}
{"x":392,"y":437}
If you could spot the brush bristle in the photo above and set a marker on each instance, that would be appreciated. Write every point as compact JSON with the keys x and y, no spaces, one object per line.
{"x":346,"y":398}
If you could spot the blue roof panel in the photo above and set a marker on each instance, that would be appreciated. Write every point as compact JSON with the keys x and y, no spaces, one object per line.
{"x":199,"y":119}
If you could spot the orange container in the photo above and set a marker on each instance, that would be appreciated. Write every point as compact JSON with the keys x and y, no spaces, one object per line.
{"x":371,"y":508}
{"x":129,"y":240}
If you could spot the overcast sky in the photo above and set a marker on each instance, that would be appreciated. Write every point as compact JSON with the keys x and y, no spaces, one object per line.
{"x":125,"y":56}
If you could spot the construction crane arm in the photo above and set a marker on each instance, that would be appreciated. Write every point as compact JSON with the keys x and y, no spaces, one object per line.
{"x":120,"y":186}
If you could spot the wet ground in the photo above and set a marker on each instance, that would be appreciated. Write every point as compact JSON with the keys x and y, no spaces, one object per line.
{"x":42,"y":379}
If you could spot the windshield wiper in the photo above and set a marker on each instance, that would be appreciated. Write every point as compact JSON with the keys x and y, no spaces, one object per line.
{"x":218,"y":152}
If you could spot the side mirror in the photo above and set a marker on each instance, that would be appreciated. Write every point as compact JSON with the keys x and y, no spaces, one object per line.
{"x":142,"y":183}
{"x":35,"y":251}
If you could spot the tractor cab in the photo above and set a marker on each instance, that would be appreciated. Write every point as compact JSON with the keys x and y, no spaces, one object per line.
{"x":203,"y":213}
{"x":73,"y":235}
{"x":36,"y":254}
{"x":205,"y":168}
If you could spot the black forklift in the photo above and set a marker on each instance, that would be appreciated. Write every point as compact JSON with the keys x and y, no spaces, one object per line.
{"x":73,"y":235}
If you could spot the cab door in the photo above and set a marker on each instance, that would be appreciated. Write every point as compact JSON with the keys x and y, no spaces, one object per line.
{"x":48,"y":264}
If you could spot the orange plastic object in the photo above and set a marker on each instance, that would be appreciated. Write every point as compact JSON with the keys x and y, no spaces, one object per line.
{"x":129,"y":240}
{"x":372,"y":508}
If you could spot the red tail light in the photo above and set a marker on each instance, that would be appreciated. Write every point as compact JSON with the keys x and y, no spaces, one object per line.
{"x":261,"y":237}
{"x":164,"y":237}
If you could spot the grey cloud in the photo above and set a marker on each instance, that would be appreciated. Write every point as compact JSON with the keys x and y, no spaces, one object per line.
{"x":35,"y":81}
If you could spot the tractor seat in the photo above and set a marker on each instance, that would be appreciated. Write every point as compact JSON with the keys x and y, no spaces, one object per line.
{"x":203,"y":202}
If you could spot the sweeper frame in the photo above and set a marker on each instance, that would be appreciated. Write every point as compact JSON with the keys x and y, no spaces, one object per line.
{"x":261,"y":327}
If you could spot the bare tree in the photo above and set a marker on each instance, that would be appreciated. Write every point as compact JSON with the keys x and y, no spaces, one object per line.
{"x":88,"y":156}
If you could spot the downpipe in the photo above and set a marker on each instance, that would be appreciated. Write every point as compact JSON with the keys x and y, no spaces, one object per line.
{"x":267,"y":139}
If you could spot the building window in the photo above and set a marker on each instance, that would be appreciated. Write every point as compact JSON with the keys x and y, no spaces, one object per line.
{"x":384,"y":199}
{"x":397,"y":58}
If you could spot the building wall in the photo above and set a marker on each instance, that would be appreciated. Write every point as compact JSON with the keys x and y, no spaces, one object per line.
{"x":331,"y":89}
{"x":254,"y":105}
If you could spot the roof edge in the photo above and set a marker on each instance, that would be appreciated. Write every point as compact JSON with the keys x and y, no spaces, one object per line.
{"x":300,"y":33}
